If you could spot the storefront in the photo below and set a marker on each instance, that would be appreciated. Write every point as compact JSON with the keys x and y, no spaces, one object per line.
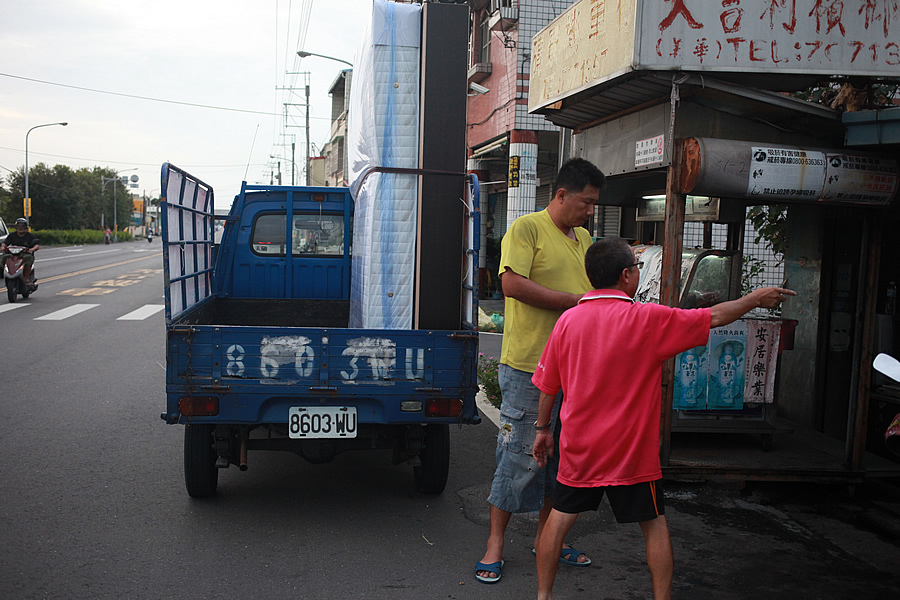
{"x":690,"y":124}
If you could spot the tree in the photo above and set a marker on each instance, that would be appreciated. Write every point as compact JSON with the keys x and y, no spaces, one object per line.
{"x":65,"y":199}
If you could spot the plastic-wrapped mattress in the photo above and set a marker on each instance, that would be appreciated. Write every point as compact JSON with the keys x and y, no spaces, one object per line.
{"x":383,"y":130}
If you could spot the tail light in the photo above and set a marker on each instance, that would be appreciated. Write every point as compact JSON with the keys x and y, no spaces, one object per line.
{"x":443,"y":407}
{"x":199,"y":406}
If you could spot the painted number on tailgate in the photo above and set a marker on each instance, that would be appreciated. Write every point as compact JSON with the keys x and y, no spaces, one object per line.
{"x":379,"y":358}
{"x":369,"y":358}
{"x":276,"y":352}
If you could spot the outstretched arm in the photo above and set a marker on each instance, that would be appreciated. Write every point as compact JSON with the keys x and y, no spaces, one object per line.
{"x":727,"y":312}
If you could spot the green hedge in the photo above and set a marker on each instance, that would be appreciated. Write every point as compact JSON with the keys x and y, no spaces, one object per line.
{"x":74,"y":237}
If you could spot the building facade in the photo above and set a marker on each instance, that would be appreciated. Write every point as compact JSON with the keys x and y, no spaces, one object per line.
{"x":334,"y":153}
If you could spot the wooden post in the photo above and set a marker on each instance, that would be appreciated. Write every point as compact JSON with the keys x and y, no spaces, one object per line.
{"x":858,"y":414}
{"x":670,"y":287}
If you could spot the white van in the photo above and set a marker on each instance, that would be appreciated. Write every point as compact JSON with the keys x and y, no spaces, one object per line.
{"x":3,"y":231}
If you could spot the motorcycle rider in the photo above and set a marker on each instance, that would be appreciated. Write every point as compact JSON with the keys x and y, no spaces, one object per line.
{"x":21,"y":237}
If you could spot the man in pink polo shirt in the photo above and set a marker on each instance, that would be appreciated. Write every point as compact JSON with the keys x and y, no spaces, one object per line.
{"x":607,"y":355}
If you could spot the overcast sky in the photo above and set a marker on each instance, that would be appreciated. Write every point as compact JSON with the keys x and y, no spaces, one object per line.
{"x":230,"y":54}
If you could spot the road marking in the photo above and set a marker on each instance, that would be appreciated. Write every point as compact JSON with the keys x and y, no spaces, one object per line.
{"x":65,"y":313}
{"x":142,"y":313}
{"x":7,"y":307}
{"x":42,"y":260}
{"x":91,"y":270}
{"x":86,"y":292}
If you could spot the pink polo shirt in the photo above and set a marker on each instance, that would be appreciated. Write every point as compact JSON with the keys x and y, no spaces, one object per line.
{"x":607,"y":355}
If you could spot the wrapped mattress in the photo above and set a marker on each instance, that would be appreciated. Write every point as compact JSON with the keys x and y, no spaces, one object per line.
{"x":383,"y":131}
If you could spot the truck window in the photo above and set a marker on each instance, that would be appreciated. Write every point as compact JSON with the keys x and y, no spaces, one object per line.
{"x":319,"y":235}
{"x":268,"y":235}
{"x":312,"y":234}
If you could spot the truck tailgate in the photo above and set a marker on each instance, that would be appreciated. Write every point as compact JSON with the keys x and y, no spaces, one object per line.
{"x":258,"y":373}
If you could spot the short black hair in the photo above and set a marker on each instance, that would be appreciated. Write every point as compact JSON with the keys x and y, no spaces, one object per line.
{"x":577,"y":173}
{"x":606,"y":259}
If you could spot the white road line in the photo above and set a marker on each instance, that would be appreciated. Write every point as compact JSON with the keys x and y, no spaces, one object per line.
{"x":7,"y":307}
{"x":40,"y":260}
{"x":65,"y":313}
{"x":142,"y":313}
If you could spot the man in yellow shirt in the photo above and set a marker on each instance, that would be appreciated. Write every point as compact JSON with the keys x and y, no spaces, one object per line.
{"x":542,"y":272}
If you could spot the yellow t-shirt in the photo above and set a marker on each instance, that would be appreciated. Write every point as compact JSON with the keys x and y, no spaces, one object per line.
{"x":535,"y":248}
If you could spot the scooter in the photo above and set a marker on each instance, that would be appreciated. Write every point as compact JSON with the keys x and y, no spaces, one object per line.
{"x":150,"y":236}
{"x":14,"y":274}
{"x":888,"y":365}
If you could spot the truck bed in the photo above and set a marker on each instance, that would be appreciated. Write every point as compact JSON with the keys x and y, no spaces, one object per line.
{"x":267,"y":312}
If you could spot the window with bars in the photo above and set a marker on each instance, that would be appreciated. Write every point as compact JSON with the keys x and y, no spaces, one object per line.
{"x":485,"y":39}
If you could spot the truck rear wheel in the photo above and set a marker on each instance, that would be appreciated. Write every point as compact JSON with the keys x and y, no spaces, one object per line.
{"x":431,"y":475}
{"x":200,"y":473}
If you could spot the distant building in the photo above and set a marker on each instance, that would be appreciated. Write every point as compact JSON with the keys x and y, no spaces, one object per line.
{"x":335,"y":155}
{"x":317,"y":171}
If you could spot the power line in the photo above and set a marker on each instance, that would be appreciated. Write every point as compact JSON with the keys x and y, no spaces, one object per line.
{"x":97,"y":160}
{"x":85,"y":89}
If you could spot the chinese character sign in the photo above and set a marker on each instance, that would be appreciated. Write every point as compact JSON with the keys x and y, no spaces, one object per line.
{"x":598,"y":40}
{"x":763,"y":338}
{"x":838,"y":36}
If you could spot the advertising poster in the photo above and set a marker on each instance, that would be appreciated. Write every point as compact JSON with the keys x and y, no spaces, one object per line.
{"x":691,"y":375}
{"x":727,"y":359}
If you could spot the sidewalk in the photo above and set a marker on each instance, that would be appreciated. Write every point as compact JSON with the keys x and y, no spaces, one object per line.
{"x":732,"y":540}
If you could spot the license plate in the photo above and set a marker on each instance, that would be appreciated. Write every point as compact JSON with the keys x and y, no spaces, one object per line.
{"x":322,"y":422}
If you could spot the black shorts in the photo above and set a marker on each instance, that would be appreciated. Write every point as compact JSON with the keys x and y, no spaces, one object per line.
{"x":630,"y":503}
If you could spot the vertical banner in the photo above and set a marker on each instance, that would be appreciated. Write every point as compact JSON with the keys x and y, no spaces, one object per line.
{"x":513,"y":171}
{"x":727,"y":359}
{"x":762,"y":352}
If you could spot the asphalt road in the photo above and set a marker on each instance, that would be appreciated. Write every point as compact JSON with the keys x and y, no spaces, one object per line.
{"x":92,"y":500}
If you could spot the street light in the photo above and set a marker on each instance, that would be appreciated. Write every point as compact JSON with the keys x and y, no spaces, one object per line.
{"x":304,"y":54}
{"x":28,"y":216}
{"x":293,"y":164}
{"x":106,"y":180}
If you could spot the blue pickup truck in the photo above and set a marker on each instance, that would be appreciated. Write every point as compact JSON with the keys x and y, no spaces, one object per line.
{"x":259,"y":353}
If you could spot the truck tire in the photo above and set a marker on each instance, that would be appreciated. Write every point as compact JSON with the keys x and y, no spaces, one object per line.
{"x":431,"y":475}
{"x":200,"y":473}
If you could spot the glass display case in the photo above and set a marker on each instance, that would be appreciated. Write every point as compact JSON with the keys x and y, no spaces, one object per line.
{"x":706,"y":276}
{"x":728,"y":385}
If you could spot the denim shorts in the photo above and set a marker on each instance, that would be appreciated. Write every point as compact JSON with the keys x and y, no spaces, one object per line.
{"x":519,"y":484}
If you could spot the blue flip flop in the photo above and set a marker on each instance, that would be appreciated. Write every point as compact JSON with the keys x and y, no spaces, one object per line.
{"x":495,"y":567}
{"x":569,"y":556}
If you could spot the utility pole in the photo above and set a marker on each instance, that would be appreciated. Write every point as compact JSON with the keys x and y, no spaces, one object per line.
{"x":308,"y":162}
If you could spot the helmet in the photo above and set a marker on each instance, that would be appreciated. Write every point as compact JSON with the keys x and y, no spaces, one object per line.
{"x":21,"y":221}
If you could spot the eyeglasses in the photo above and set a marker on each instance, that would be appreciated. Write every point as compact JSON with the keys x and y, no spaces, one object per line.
{"x":639,"y":264}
